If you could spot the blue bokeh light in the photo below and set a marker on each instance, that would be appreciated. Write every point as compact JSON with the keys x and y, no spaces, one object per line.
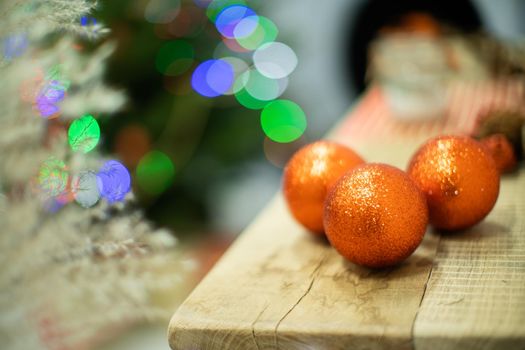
{"x":212,"y":78}
{"x":228,"y":19}
{"x":14,"y":46}
{"x":114,"y":181}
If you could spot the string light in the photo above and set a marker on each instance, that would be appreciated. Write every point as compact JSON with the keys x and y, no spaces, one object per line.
{"x":85,"y":189}
{"x":155,"y":172}
{"x":283,"y":121}
{"x":84,"y":134}
{"x":275,"y":60}
{"x":114,"y":181}
{"x":212,"y":78}
{"x":53,"y":177}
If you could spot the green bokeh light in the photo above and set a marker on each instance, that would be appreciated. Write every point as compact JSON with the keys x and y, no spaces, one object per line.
{"x":261,"y":87}
{"x":265,"y":32}
{"x":283,"y":121}
{"x":84,"y":134}
{"x":248,"y":101}
{"x":155,"y":172}
{"x":174,"y":58}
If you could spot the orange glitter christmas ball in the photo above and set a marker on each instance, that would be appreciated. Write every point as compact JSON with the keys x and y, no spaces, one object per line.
{"x":309,"y":175}
{"x":375,"y":215}
{"x":502,"y":152}
{"x":459,"y":178}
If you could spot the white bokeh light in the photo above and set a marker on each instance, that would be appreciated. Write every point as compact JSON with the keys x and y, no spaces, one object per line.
{"x":85,"y":189}
{"x":275,"y":60}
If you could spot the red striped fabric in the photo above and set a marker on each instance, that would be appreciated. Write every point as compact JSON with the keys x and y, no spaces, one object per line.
{"x":466,"y":101}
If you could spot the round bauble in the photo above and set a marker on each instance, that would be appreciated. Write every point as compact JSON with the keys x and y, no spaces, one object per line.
{"x":375,"y":216}
{"x":459,"y":178}
{"x":309,"y":175}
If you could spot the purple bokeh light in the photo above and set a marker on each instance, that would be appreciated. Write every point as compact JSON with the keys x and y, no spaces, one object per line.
{"x":113,"y":181}
{"x":212,"y":78}
{"x":51,"y":94}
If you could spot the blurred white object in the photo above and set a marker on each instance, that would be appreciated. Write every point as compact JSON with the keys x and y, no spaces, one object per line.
{"x":413,"y":73}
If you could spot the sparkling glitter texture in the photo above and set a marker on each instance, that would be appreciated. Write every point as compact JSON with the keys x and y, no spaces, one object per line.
{"x":375,"y":216}
{"x":459,"y":178}
{"x":309,"y":175}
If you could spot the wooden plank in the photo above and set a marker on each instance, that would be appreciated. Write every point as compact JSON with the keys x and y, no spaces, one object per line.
{"x":475,"y":297}
{"x":278,"y":287}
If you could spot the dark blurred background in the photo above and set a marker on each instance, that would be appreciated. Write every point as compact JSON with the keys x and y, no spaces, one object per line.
{"x":203,"y":166}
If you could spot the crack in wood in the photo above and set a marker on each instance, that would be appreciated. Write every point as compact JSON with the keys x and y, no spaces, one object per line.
{"x":314,"y":275}
{"x":412,"y":335}
{"x":253,"y":326}
{"x":453,"y":302}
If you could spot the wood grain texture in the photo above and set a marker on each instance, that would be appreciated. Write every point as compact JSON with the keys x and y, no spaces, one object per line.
{"x":279,"y":287}
{"x":475,"y":297}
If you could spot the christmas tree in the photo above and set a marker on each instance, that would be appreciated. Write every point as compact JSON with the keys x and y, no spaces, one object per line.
{"x":79,"y":262}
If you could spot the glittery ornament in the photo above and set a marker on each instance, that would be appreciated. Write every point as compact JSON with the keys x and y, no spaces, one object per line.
{"x":459,"y":178}
{"x":309,"y":175}
{"x":502,"y":152}
{"x":375,"y":215}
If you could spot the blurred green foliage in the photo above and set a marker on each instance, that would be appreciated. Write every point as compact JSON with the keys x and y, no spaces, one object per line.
{"x":202,"y":137}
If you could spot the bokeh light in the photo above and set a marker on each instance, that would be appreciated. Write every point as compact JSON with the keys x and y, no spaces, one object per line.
{"x":212,"y":78}
{"x":265,"y":32}
{"x":228,"y":19}
{"x":155,"y":173}
{"x":132,"y":143}
{"x":174,"y":58}
{"x":53,"y":177}
{"x":113,"y":181}
{"x":234,"y":46}
{"x":275,"y":60}
{"x":223,"y":50}
{"x":189,"y":23}
{"x":261,"y":87}
{"x":85,"y":189}
{"x":283,"y":121}
{"x":215,"y":7}
{"x":83,"y":134}
{"x":239,"y":68}
{"x":85,"y":21}
{"x":48,"y":98}
{"x":245,"y":99}
{"x":161,"y":11}
{"x":14,"y":46}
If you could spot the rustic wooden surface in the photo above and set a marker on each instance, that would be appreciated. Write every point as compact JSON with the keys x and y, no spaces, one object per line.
{"x":278,"y":287}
